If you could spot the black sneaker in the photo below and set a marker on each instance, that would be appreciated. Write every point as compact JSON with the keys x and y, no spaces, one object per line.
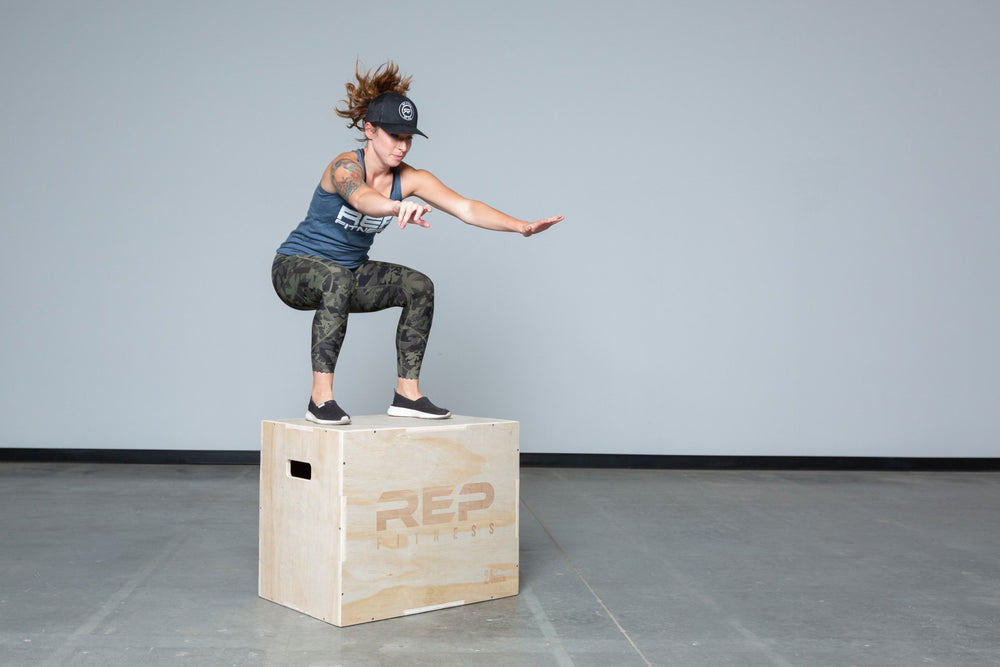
{"x":328,"y":413}
{"x":422,"y":408}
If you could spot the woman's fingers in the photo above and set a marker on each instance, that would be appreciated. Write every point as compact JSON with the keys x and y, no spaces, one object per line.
{"x":413,"y":213}
{"x":541,"y":225}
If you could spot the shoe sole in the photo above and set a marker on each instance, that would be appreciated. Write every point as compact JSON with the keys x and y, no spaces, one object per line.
{"x":394,"y":411}
{"x":340,"y":422}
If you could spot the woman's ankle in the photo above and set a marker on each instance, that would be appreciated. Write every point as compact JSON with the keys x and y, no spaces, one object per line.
{"x":408,"y":388}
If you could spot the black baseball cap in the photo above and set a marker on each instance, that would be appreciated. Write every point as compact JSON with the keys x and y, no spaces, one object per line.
{"x":394,"y":113}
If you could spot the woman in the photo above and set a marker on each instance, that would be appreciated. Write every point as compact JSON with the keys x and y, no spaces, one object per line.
{"x":324,"y":264}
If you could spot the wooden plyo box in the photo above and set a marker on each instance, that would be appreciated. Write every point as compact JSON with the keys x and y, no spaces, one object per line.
{"x":387,"y":516}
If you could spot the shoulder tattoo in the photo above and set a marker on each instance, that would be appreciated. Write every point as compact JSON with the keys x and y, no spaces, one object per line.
{"x":347,"y":177}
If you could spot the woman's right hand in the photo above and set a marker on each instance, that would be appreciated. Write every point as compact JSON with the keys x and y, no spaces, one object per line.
{"x":412,"y":213}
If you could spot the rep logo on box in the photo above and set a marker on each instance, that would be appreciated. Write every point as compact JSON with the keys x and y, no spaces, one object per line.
{"x":432,"y":506}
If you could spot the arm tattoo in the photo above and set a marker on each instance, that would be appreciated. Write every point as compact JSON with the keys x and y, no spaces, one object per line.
{"x":347,"y":177}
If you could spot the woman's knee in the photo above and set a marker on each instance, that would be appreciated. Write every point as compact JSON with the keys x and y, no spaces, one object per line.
{"x":286,"y":277}
{"x":336,"y":278}
{"x":418,"y":285}
{"x":336,"y":289}
{"x":307,"y":283}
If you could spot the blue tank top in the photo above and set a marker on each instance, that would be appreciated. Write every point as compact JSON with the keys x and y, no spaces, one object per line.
{"x":334,"y":230}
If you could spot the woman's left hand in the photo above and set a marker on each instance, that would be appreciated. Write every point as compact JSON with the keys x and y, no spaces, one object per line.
{"x":539,"y":226}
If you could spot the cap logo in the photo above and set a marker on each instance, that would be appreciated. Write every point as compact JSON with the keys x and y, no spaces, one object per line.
{"x":406,"y":110}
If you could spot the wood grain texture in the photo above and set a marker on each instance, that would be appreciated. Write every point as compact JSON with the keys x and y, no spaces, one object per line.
{"x":400,"y":516}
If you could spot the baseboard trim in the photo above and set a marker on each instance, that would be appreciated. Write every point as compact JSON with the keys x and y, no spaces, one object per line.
{"x":139,"y":456}
{"x":682,"y":462}
{"x":531,"y":460}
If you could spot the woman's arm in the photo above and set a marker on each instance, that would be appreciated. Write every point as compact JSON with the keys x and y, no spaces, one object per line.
{"x":424,"y":184}
{"x":346,"y":179}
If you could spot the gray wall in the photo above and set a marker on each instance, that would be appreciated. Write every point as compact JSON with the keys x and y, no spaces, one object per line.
{"x":781,"y":226}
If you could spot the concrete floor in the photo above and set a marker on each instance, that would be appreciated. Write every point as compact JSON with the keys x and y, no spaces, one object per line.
{"x":104,"y":564}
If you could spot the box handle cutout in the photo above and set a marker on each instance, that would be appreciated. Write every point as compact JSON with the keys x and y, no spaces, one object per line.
{"x":300,"y":469}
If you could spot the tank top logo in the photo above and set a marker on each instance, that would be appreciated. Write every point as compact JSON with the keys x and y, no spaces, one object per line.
{"x":353,"y":221}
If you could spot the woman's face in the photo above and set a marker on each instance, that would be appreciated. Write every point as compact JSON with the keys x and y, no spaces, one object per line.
{"x":391,"y":148}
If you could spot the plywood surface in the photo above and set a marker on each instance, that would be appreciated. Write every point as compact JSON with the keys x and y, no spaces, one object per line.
{"x":400,"y":516}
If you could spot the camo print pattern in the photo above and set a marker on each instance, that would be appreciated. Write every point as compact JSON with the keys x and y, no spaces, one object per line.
{"x":306,"y":282}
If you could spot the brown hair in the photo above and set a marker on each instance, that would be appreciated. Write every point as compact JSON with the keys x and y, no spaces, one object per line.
{"x":383,"y":79}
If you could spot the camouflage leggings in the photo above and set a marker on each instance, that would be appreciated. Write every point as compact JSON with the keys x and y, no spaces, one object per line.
{"x":307,"y":282}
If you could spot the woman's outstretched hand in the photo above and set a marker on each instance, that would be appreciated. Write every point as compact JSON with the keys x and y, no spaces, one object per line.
{"x":539,"y":226}
{"x":412,"y":213}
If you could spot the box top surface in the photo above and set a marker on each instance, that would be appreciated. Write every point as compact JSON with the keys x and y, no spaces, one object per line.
{"x":385,"y":422}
